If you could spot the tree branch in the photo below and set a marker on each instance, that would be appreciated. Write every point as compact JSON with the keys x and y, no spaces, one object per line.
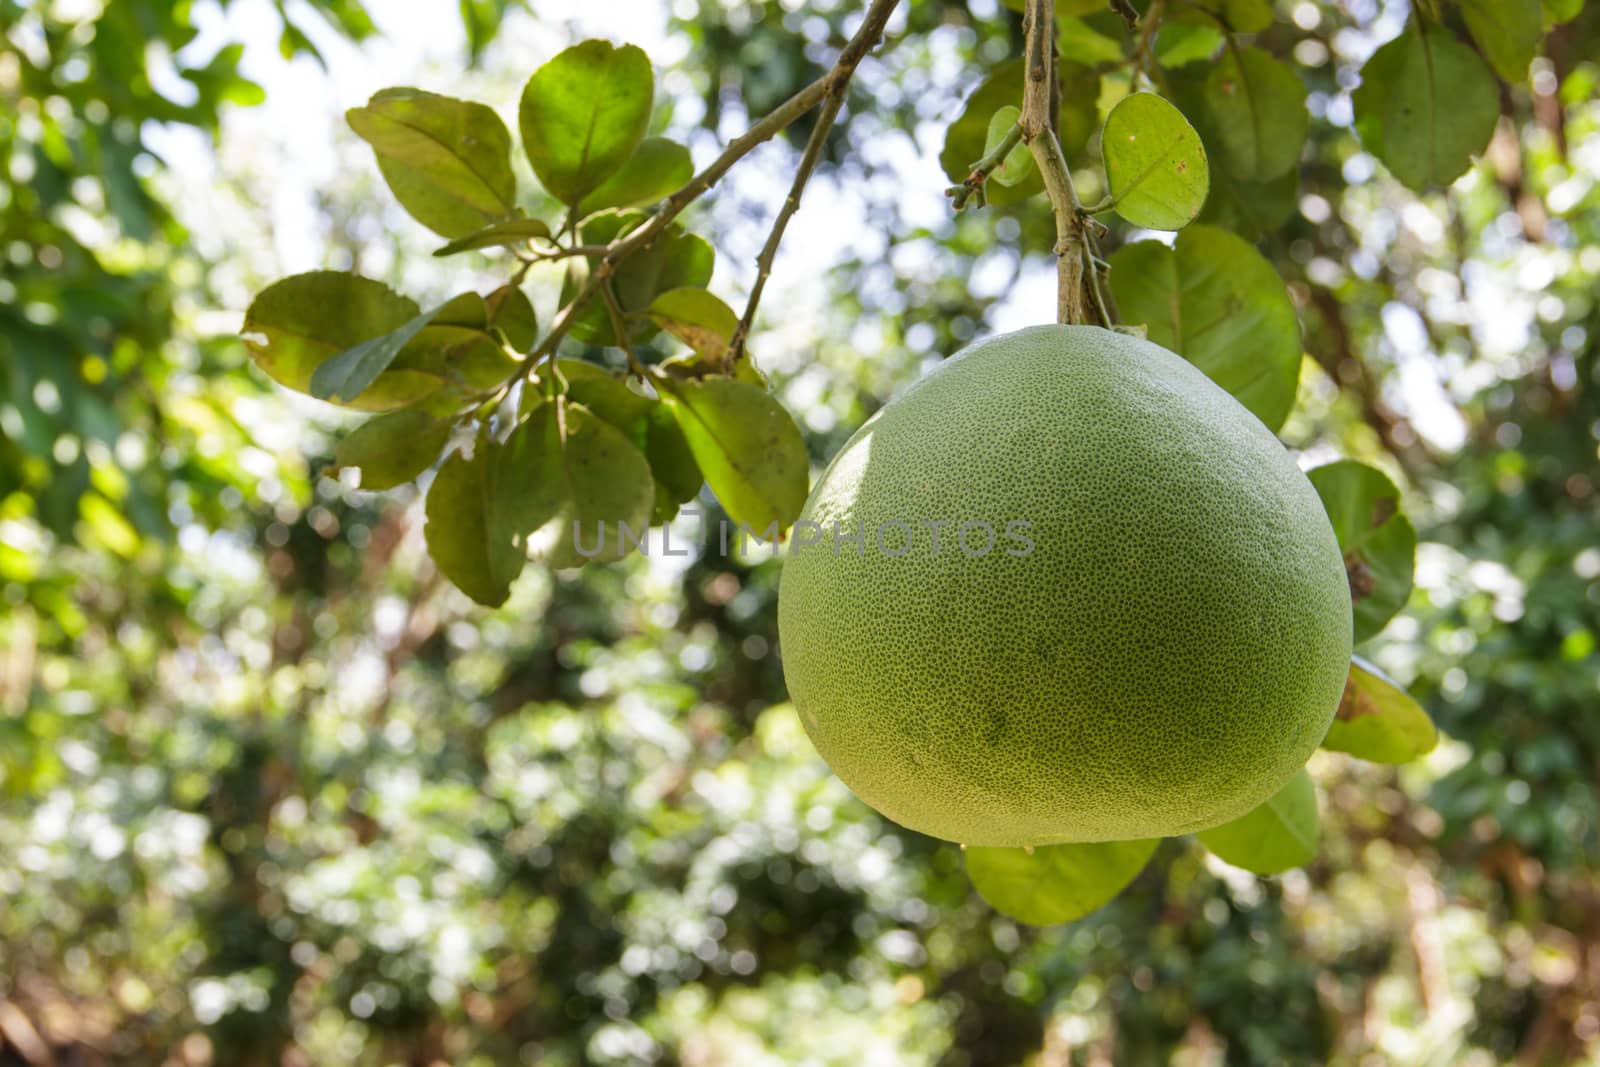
{"x":775,"y":121}
{"x":1040,"y":136}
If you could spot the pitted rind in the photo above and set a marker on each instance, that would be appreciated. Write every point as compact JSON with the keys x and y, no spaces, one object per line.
{"x":1166,"y":658}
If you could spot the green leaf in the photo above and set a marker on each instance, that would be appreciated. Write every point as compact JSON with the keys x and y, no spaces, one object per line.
{"x":393,"y":449}
{"x":697,"y":318}
{"x":1507,"y":32}
{"x":657,"y":168}
{"x":476,"y":552}
{"x":1056,"y":883}
{"x":1221,"y":305}
{"x":583,"y":114}
{"x":1256,"y":118}
{"x":675,"y":260}
{"x":1155,"y":164}
{"x":1080,"y":42}
{"x":507,"y":233}
{"x":566,"y":496}
{"x":1178,"y":44}
{"x":1425,"y":106}
{"x":511,"y":312}
{"x":677,"y":472}
{"x":1559,"y":11}
{"x":965,"y":139}
{"x":458,"y":346}
{"x":1241,"y":16}
{"x":1250,"y":209}
{"x":747,"y":446}
{"x":349,"y":374}
{"x":1018,"y":163}
{"x":1378,"y":542}
{"x":300,"y":322}
{"x":1378,"y":720}
{"x":1274,"y":836}
{"x":447,"y":161}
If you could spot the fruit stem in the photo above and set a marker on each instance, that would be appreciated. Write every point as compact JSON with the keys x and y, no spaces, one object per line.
{"x":1073,"y":305}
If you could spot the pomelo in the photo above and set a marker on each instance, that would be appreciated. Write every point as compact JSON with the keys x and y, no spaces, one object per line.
{"x":1155,"y":649}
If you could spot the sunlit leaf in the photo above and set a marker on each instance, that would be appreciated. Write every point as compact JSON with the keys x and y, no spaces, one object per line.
{"x":583,"y":114}
{"x":657,"y":168}
{"x":1378,"y":720}
{"x":349,"y":373}
{"x":1056,"y":883}
{"x":447,"y":161}
{"x":1507,"y":32}
{"x":507,"y":233}
{"x":746,"y":445}
{"x":1378,"y":541}
{"x":1276,"y":835}
{"x":1217,"y":302}
{"x":1425,"y":106}
{"x":697,"y":318}
{"x":1154,"y":163}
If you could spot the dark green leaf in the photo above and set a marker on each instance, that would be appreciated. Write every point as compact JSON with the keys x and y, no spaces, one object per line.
{"x":566,"y":497}
{"x":1425,"y":106}
{"x":1178,"y":44}
{"x":697,"y":318}
{"x":476,"y":552}
{"x":1377,"y":540}
{"x":1079,"y":42}
{"x":393,"y":449}
{"x":296,"y":324}
{"x":672,"y":461}
{"x":1241,"y":16}
{"x":1250,"y":209}
{"x":583,"y":114}
{"x":1155,"y":164}
{"x":1055,"y":883}
{"x":1507,"y":32}
{"x":1217,"y":302}
{"x":447,"y":161}
{"x":746,"y":445}
{"x":1378,"y":720}
{"x":675,"y":260}
{"x":964,"y":140}
{"x":511,"y":312}
{"x":1256,"y":117}
{"x":657,"y":168}
{"x":507,"y":233}
{"x":1274,"y":836}
{"x":459,"y":347}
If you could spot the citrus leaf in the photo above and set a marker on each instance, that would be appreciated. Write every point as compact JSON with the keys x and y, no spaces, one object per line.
{"x":459,"y":346}
{"x":1241,"y":16}
{"x":1218,"y":303}
{"x":1425,"y":106}
{"x":1507,"y":32}
{"x":565,"y":497}
{"x":447,"y":161}
{"x":1155,"y":163}
{"x":1559,"y":11}
{"x":477,"y":554}
{"x":583,"y":114}
{"x":697,"y":318}
{"x":965,"y":139}
{"x":1256,"y":117}
{"x":1018,"y":163}
{"x":1080,"y":42}
{"x":1055,"y":883}
{"x":347,"y":375}
{"x":506,"y":233}
{"x":657,"y":168}
{"x":1178,"y":45}
{"x":746,"y":445}
{"x":674,"y":260}
{"x":393,"y":449}
{"x":298,"y":323}
{"x":1378,"y":720}
{"x":1274,"y":836}
{"x":1378,"y":542}
{"x":1250,"y":209}
{"x":511,"y":312}
{"x":677,"y":472}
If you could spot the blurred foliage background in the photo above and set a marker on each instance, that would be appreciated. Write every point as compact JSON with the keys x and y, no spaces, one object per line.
{"x":272,"y":793}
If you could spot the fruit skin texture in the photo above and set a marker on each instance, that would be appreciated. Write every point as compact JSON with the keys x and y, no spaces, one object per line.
{"x":1167,"y":656}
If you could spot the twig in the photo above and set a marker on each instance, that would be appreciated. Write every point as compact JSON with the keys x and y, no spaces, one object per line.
{"x":764,"y":130}
{"x":1142,"y":50}
{"x":619,"y":326}
{"x":839,"y":83}
{"x":974,"y":183}
{"x":1040,"y":137}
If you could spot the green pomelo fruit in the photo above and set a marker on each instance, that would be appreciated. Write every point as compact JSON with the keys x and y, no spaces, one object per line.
{"x":1162,"y":655}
